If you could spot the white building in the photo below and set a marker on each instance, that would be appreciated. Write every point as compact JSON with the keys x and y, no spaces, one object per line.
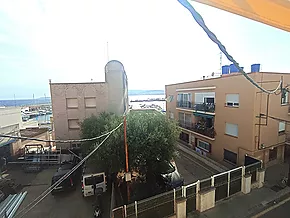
{"x":10,"y":124}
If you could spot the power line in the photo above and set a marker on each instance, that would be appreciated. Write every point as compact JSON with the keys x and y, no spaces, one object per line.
{"x":276,"y":118}
{"x":57,"y":141}
{"x":198,"y":18}
{"x":49,"y":190}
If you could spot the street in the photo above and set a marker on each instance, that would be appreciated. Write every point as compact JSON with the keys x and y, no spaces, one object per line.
{"x":281,"y":211}
{"x":191,"y":168}
{"x":70,"y":204}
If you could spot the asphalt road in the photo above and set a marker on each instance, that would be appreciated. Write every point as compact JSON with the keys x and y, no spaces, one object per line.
{"x":279,"y":212}
{"x":65,"y":205}
{"x":192,"y":169}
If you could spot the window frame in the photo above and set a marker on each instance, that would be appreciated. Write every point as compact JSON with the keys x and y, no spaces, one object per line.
{"x":227,"y":133}
{"x":228,"y":160}
{"x":73,"y":128}
{"x":286,"y":102}
{"x":281,"y":132}
{"x":202,"y":148}
{"x":72,"y":107}
{"x":90,"y":98}
{"x":234,"y":104}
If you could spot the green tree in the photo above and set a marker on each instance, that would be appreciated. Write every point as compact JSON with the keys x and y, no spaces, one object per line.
{"x":151,"y":136}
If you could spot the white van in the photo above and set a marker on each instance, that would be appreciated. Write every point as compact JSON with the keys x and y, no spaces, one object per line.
{"x":93,"y":184}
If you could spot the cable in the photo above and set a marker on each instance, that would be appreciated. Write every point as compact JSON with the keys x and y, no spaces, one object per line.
{"x":58,"y":141}
{"x":198,"y":18}
{"x":276,"y":118}
{"x":49,"y":190}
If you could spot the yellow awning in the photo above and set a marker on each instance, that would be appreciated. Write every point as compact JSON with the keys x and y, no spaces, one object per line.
{"x":275,"y":13}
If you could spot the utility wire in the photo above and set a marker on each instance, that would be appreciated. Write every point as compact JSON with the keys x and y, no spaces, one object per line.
{"x":57,"y":141}
{"x":198,"y":18}
{"x":37,"y":200}
{"x":276,"y":118}
{"x":49,"y":190}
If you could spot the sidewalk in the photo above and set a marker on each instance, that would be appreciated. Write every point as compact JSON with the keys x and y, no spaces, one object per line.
{"x":241,"y":205}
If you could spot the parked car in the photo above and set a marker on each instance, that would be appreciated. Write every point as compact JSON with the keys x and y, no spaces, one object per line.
{"x":167,"y":176}
{"x":70,"y":182}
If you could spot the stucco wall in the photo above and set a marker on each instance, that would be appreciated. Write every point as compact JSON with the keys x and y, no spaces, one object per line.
{"x":60,"y":92}
{"x":250,"y":103}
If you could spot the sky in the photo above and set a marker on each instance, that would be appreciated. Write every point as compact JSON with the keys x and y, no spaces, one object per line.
{"x":158,"y":42}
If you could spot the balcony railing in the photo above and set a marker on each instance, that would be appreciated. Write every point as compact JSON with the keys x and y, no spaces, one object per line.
{"x":205,"y":107}
{"x":210,"y":132}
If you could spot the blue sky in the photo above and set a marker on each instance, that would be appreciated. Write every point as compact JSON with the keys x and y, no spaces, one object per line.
{"x":158,"y":42}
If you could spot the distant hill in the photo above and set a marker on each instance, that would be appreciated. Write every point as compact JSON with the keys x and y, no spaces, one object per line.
{"x":146,"y":92}
{"x":42,"y":100}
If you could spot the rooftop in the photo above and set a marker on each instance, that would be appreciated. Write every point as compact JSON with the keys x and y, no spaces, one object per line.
{"x":226,"y":76}
{"x":32,"y":132}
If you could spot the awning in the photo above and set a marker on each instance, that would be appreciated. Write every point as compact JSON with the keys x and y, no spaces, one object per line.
{"x":275,"y":13}
{"x":199,"y":114}
{"x":7,"y":142}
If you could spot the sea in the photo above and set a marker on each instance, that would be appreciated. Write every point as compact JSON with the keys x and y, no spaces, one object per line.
{"x":137,"y":105}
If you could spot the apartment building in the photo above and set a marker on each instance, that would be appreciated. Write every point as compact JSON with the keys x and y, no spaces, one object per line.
{"x":10,"y":124}
{"x":221,"y":117}
{"x":73,"y":102}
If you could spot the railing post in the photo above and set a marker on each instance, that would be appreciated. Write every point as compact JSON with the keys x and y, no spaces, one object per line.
{"x":125,"y":210}
{"x":197,"y":186}
{"x":212,"y":181}
{"x":136,"y":209}
{"x":229,"y":182}
{"x":174,"y":200}
{"x":184,"y":191}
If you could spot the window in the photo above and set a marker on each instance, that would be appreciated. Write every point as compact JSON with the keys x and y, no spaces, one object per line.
{"x":284,"y":96}
{"x":184,"y":99}
{"x":204,"y":97}
{"x":232,"y":100}
{"x":204,"y":145}
{"x":184,"y":137}
{"x":90,"y":102}
{"x":232,"y":129}
{"x":73,"y":124}
{"x":230,"y":156}
{"x":281,"y":127}
{"x":181,"y":117}
{"x":273,"y":154}
{"x":72,"y":103}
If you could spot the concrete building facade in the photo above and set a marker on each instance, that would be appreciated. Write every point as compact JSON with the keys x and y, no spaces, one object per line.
{"x":229,"y":119}
{"x":73,"y":102}
{"x":10,"y":124}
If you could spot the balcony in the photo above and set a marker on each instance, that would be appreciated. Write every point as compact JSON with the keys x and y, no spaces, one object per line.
{"x":198,"y":128}
{"x":203,"y":107}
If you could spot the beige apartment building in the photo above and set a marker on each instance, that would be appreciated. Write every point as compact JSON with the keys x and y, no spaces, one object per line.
{"x":73,"y":102}
{"x":220,"y":117}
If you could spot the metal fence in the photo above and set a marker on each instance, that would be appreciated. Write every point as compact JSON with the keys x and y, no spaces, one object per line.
{"x":252,"y":169}
{"x":163,"y":205}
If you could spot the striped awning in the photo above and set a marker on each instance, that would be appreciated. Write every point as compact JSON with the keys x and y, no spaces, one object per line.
{"x":275,"y":13}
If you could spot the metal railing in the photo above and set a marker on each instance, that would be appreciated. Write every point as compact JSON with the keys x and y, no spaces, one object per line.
{"x":164,"y":205}
{"x":204,"y":107}
{"x":210,"y":132}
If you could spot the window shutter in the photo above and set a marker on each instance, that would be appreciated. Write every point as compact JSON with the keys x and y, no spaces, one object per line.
{"x":232,"y":129}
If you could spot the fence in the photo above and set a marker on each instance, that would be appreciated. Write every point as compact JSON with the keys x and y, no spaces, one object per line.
{"x":226,"y":184}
